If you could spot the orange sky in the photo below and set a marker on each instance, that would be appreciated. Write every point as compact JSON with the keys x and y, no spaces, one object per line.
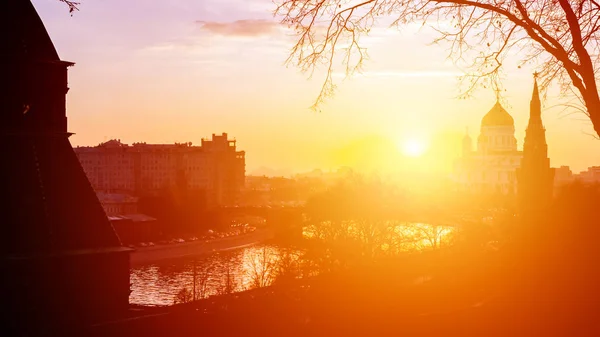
{"x":180,"y":70}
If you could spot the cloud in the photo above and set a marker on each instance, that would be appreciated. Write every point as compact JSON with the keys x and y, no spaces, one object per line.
{"x":244,"y":28}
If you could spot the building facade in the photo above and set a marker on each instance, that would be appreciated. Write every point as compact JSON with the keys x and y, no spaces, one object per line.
{"x":491,"y":167}
{"x":140,"y":169}
{"x":563,"y":176}
{"x":590,"y":176}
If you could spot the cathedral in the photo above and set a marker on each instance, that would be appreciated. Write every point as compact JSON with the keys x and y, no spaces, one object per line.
{"x":491,"y":167}
{"x":496,"y":166}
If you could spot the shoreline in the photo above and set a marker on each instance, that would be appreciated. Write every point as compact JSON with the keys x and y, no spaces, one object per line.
{"x":149,"y":255}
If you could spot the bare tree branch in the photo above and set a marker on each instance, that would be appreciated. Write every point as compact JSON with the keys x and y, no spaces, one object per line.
{"x":73,"y":5}
{"x":558,"y":37}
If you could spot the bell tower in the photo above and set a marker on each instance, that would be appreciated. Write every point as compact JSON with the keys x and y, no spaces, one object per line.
{"x":535,"y":177}
{"x":61,"y":258}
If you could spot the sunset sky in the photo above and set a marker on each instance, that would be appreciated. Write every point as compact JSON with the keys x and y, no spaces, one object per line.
{"x":180,"y":70}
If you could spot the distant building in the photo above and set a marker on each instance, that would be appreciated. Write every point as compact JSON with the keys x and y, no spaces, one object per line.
{"x":589,"y":176}
{"x":563,"y":175}
{"x":536,"y":178}
{"x":491,"y":168}
{"x":215,"y":167}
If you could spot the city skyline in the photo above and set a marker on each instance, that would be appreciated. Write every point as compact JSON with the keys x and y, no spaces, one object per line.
{"x":177,"y":65}
{"x":158,"y":230}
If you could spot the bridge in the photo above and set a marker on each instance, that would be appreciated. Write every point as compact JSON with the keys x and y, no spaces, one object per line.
{"x":286,"y":221}
{"x":262,"y":211}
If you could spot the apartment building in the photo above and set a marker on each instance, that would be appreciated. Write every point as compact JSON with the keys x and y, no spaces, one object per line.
{"x":215,"y":167}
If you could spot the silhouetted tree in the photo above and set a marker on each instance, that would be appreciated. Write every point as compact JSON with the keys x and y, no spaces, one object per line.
{"x":228,"y":283}
{"x":433,"y":235}
{"x":183,"y":296}
{"x":262,"y":269}
{"x":287,"y":267}
{"x":360,"y":221}
{"x":201,"y":277}
{"x":560,"y":35}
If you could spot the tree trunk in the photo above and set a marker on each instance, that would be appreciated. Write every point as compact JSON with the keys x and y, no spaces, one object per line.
{"x":593,"y":109}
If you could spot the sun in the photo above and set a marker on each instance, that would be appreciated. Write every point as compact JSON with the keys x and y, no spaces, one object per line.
{"x":413,"y":147}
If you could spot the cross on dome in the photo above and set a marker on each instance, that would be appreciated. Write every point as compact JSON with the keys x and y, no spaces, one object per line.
{"x":497,"y":94}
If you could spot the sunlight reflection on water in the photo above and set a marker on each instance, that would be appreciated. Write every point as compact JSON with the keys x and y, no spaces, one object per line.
{"x":158,"y":284}
{"x":405,"y":237}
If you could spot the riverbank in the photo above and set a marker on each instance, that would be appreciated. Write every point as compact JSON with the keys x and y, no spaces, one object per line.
{"x":154,"y":254}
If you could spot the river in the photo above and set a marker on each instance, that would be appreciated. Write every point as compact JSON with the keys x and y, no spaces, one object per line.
{"x":158,"y":282}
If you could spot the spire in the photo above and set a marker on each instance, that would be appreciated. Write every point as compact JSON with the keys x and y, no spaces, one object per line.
{"x":535,"y":133}
{"x":22,"y":33}
{"x":497,"y":90}
{"x":535,"y":177}
{"x":535,"y":107}
{"x":536,"y":93}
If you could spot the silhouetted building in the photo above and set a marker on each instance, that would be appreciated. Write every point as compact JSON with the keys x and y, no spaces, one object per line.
{"x":216,"y":167}
{"x":536,"y":178}
{"x":62,"y":261}
{"x":590,"y":176}
{"x":563,"y":176}
{"x":491,"y":168}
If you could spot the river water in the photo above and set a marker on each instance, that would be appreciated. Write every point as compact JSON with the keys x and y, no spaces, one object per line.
{"x":159,"y":283}
{"x":235,"y":270}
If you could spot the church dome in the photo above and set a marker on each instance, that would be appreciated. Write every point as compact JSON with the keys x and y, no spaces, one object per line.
{"x":497,"y":116}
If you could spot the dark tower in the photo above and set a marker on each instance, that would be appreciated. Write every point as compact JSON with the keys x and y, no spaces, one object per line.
{"x":62,"y":262}
{"x":535,"y":177}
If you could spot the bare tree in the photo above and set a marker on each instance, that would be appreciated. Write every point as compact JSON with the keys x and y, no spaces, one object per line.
{"x":262,"y":269}
{"x":201,"y":278}
{"x":183,"y":296}
{"x":419,"y":236}
{"x":287,"y":268}
{"x":379,"y":237}
{"x":559,"y":37}
{"x":433,"y":234}
{"x":228,"y":283}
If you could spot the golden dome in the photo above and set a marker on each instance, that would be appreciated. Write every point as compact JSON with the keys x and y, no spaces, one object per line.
{"x":497,"y":116}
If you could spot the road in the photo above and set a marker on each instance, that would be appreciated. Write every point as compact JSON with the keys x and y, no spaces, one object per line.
{"x":149,"y":255}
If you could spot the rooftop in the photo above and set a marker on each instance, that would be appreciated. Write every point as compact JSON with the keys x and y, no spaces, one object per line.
{"x":22,"y":33}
